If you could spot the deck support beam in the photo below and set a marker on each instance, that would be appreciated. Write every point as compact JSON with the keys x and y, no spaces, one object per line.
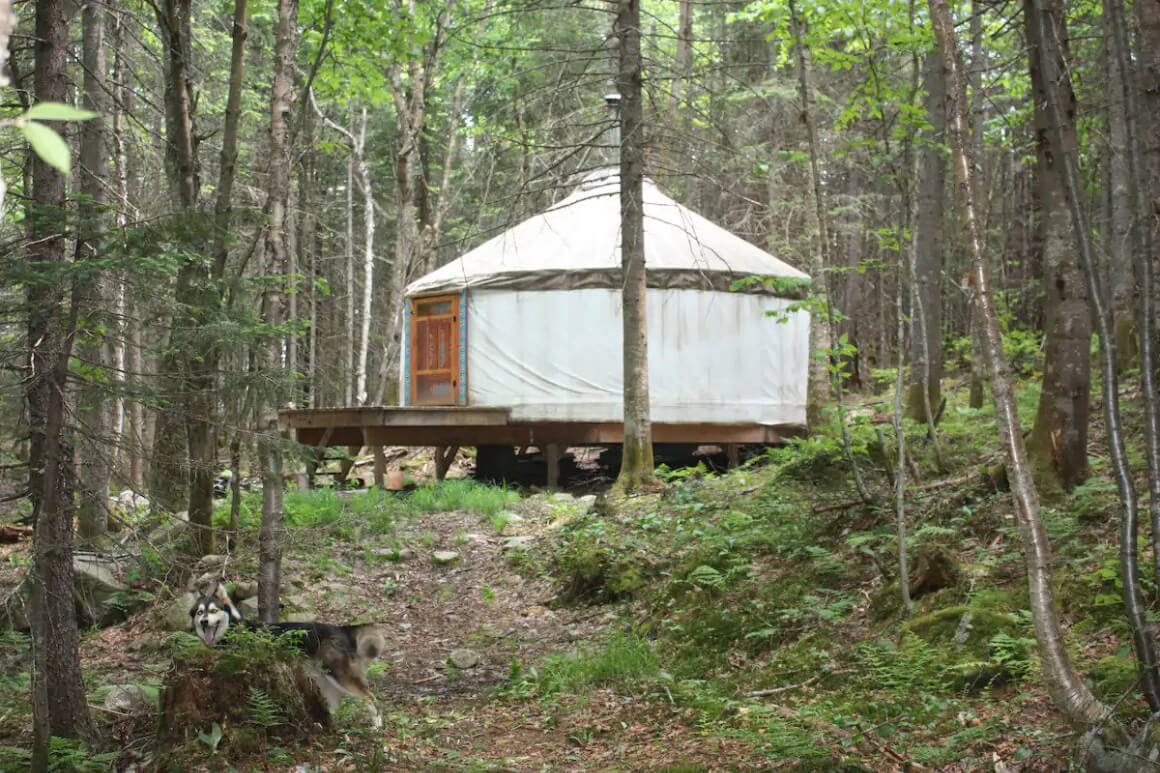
{"x":444,"y":456}
{"x":380,"y":466}
{"x":552,"y":457}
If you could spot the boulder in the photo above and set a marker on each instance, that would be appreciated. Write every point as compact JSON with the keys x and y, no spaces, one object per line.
{"x":249,"y":607}
{"x":464,"y":658}
{"x":171,"y":528}
{"x":586,"y":503}
{"x":128,"y":699}
{"x":102,"y":599}
{"x":176,"y":615}
{"x":444,"y":557}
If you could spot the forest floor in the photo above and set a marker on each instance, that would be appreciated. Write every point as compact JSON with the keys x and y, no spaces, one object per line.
{"x":739,"y":621}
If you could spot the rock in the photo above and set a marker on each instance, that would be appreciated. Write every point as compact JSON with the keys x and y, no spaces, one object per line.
{"x":209,"y":563}
{"x":406,"y":554}
{"x":563,"y":497}
{"x":300,"y":617}
{"x":176,"y":616}
{"x":204,"y":583}
{"x":173,"y":526}
{"x":297,"y":600}
{"x":101,"y":596}
{"x":522,"y":542}
{"x":128,"y":699}
{"x":249,"y":607}
{"x":129,"y":501}
{"x":245,"y":590}
{"x":586,"y":503}
{"x":443,"y":557}
{"x":537,"y":611}
{"x":464,"y":658}
{"x":476,"y":539}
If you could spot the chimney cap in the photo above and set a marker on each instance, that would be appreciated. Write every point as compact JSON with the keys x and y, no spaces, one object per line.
{"x":612,"y":100}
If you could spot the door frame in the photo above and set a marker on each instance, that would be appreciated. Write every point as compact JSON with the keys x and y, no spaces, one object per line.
{"x":458,"y":339}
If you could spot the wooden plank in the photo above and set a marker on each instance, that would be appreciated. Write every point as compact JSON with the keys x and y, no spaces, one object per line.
{"x":562,"y":433}
{"x":409,"y":416}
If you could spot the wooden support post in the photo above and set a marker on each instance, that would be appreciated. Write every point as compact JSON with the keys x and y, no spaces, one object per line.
{"x":733,"y":455}
{"x":380,"y":467}
{"x":444,"y":456}
{"x":552,"y":457}
{"x":344,"y":467}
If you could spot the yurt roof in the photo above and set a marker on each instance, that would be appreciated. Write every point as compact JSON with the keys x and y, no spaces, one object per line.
{"x":576,"y":244}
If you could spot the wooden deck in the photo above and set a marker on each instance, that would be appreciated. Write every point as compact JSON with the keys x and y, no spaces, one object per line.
{"x":448,"y":428}
{"x":436,"y":426}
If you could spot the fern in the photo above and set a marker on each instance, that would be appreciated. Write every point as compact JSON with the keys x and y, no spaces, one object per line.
{"x":705,"y":576}
{"x":262,"y":710}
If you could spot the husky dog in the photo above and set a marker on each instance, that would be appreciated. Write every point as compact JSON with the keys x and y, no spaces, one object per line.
{"x":338,"y":654}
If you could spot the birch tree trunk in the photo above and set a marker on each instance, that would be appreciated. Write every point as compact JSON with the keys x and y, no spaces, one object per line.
{"x":636,"y":466}
{"x":277,"y":244}
{"x":1067,"y":689}
{"x":58,"y":692}
{"x":95,"y":404}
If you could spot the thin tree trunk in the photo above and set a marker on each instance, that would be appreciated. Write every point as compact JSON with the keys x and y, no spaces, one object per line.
{"x":1140,"y":145}
{"x":358,"y":161}
{"x":1129,"y":550}
{"x":1120,"y":226}
{"x":1068,"y":690}
{"x":926,"y":320}
{"x":348,"y":339}
{"x":59,"y":707}
{"x":7,"y":25}
{"x":636,"y":466}
{"x":1058,"y":441}
{"x":975,"y":388}
{"x":277,"y":237}
{"x":95,"y":406}
{"x":820,"y":389}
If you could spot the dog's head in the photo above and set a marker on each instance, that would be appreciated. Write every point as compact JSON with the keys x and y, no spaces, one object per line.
{"x":212,"y":614}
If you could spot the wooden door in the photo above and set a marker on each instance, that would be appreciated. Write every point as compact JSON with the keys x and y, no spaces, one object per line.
{"x":435,"y":350}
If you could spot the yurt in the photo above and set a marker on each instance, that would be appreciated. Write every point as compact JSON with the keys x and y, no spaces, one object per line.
{"x":531,"y":321}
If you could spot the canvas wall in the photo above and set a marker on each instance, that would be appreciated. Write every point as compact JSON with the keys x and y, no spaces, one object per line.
{"x":713,"y":357}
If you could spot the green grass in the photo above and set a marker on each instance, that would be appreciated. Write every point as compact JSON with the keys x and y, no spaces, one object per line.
{"x":622,"y":659}
{"x":462,"y":494}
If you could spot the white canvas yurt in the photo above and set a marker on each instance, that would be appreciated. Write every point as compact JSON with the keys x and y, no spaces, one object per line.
{"x":531,"y":320}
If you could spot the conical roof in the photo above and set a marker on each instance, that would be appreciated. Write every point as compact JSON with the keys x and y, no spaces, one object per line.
{"x":576,"y":244}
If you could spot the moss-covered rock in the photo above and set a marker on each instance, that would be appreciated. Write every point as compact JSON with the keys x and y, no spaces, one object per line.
{"x":963,"y":629}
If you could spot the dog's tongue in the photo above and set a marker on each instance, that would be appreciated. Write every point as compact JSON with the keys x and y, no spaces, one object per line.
{"x":208,"y":639}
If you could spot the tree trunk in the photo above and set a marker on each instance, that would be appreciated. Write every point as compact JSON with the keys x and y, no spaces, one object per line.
{"x":1129,"y":551}
{"x":95,"y":404}
{"x":197,"y":290}
{"x":1068,"y":690}
{"x":819,"y":390}
{"x":278,"y":234}
{"x":926,"y":314}
{"x":1058,"y":442}
{"x":1119,"y":229}
{"x":636,"y":465}
{"x":7,"y":25}
{"x":59,"y":707}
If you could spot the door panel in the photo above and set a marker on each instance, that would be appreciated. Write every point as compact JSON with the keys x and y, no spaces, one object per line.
{"x":434,"y":350}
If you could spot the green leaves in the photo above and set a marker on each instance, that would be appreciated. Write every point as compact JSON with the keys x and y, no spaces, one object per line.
{"x":45,"y":142}
{"x":55,"y":111}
